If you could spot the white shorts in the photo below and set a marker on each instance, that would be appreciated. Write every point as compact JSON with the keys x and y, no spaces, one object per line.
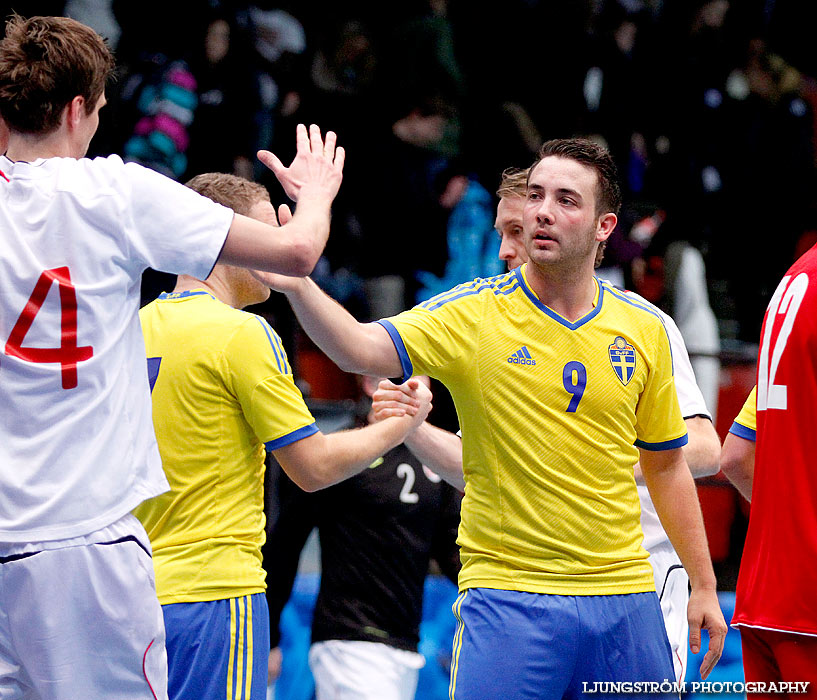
{"x":672,"y":586}
{"x":351,"y":670}
{"x":79,"y":618}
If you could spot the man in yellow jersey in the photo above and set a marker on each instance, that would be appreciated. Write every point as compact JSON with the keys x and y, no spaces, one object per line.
{"x":561,"y":384}
{"x":441,"y":451}
{"x":738,"y":453}
{"x":222,"y":392}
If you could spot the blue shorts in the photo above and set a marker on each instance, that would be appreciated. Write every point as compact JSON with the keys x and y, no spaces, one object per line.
{"x":219,"y":649}
{"x":511,"y":645}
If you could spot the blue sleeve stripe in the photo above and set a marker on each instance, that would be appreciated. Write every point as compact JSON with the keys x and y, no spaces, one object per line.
{"x":468,"y":292}
{"x":743,"y":432}
{"x":405,"y":362}
{"x":444,"y":296}
{"x":282,"y":353}
{"x":275,"y":345}
{"x":501,"y":284}
{"x":618,"y":294}
{"x":294,"y":436}
{"x":666,"y":445}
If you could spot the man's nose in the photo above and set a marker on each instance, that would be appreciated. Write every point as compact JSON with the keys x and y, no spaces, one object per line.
{"x":544,"y":212}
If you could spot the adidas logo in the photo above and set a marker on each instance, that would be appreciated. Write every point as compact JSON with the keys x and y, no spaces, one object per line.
{"x":521,"y":357}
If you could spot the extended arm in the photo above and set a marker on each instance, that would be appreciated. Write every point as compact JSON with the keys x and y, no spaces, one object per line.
{"x":738,"y":463}
{"x":703,"y":448}
{"x":738,"y":455}
{"x":313,"y":179}
{"x":321,"y":460}
{"x":676,"y":501}
{"x":701,"y":453}
{"x":361,"y":348}
{"x":438,"y":449}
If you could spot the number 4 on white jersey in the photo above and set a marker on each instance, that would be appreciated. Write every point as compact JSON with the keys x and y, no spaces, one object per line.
{"x":786,"y":300}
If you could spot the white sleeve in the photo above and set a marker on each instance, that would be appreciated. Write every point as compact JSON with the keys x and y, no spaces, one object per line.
{"x":690,"y":397}
{"x":169,"y":226}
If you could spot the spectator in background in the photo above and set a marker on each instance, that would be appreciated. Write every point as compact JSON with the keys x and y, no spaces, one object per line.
{"x":771,"y":131}
{"x":156,"y":97}
{"x":344,"y":88}
{"x":223,"y":134}
{"x":618,"y":94}
{"x":278,"y":50}
{"x":165,"y":110}
{"x":98,"y":15}
{"x":473,"y":246}
{"x":421,"y":90}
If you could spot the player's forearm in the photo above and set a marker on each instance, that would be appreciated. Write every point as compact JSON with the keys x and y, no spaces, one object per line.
{"x":440,"y":451}
{"x":353,"y":346}
{"x":738,"y":463}
{"x":676,"y":501}
{"x":292,"y":249}
{"x":702,"y":452}
{"x":349,"y":452}
{"x":309,"y":226}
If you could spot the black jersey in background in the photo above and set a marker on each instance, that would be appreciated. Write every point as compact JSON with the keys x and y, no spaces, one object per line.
{"x":378,"y":531}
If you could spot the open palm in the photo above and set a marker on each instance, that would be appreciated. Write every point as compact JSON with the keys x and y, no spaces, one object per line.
{"x":317,"y":163}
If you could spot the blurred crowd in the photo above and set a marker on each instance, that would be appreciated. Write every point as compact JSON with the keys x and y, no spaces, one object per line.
{"x":707,"y":105}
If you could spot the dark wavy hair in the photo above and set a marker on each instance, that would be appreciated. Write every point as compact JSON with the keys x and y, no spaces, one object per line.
{"x":45,"y":62}
{"x":589,"y":153}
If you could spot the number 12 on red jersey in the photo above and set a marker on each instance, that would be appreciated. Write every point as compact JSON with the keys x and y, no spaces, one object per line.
{"x":785,"y":302}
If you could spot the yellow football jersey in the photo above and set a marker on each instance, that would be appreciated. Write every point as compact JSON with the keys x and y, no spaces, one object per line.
{"x":745,"y":424}
{"x":551,"y":413}
{"x":222,"y":388}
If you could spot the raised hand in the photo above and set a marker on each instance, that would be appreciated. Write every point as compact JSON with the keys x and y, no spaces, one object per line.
{"x":317,"y":166}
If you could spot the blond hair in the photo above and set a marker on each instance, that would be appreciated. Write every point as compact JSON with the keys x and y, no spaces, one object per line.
{"x":232,"y":191}
{"x":514,"y":183}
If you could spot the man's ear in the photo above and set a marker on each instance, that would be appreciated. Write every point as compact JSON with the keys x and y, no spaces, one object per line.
{"x":607,"y":222}
{"x":74,"y":111}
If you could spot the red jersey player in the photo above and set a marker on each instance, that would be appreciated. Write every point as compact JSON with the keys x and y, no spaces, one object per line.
{"x":776,"y":606}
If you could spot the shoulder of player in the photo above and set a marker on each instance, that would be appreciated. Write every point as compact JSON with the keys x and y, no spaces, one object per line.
{"x":635,"y":304}
{"x":245,"y":326}
{"x":89,"y":179}
{"x":199,"y":310}
{"x":70,"y":174}
{"x":476,"y":291}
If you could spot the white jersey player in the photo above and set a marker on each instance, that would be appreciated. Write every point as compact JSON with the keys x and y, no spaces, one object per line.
{"x":77,"y":450}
